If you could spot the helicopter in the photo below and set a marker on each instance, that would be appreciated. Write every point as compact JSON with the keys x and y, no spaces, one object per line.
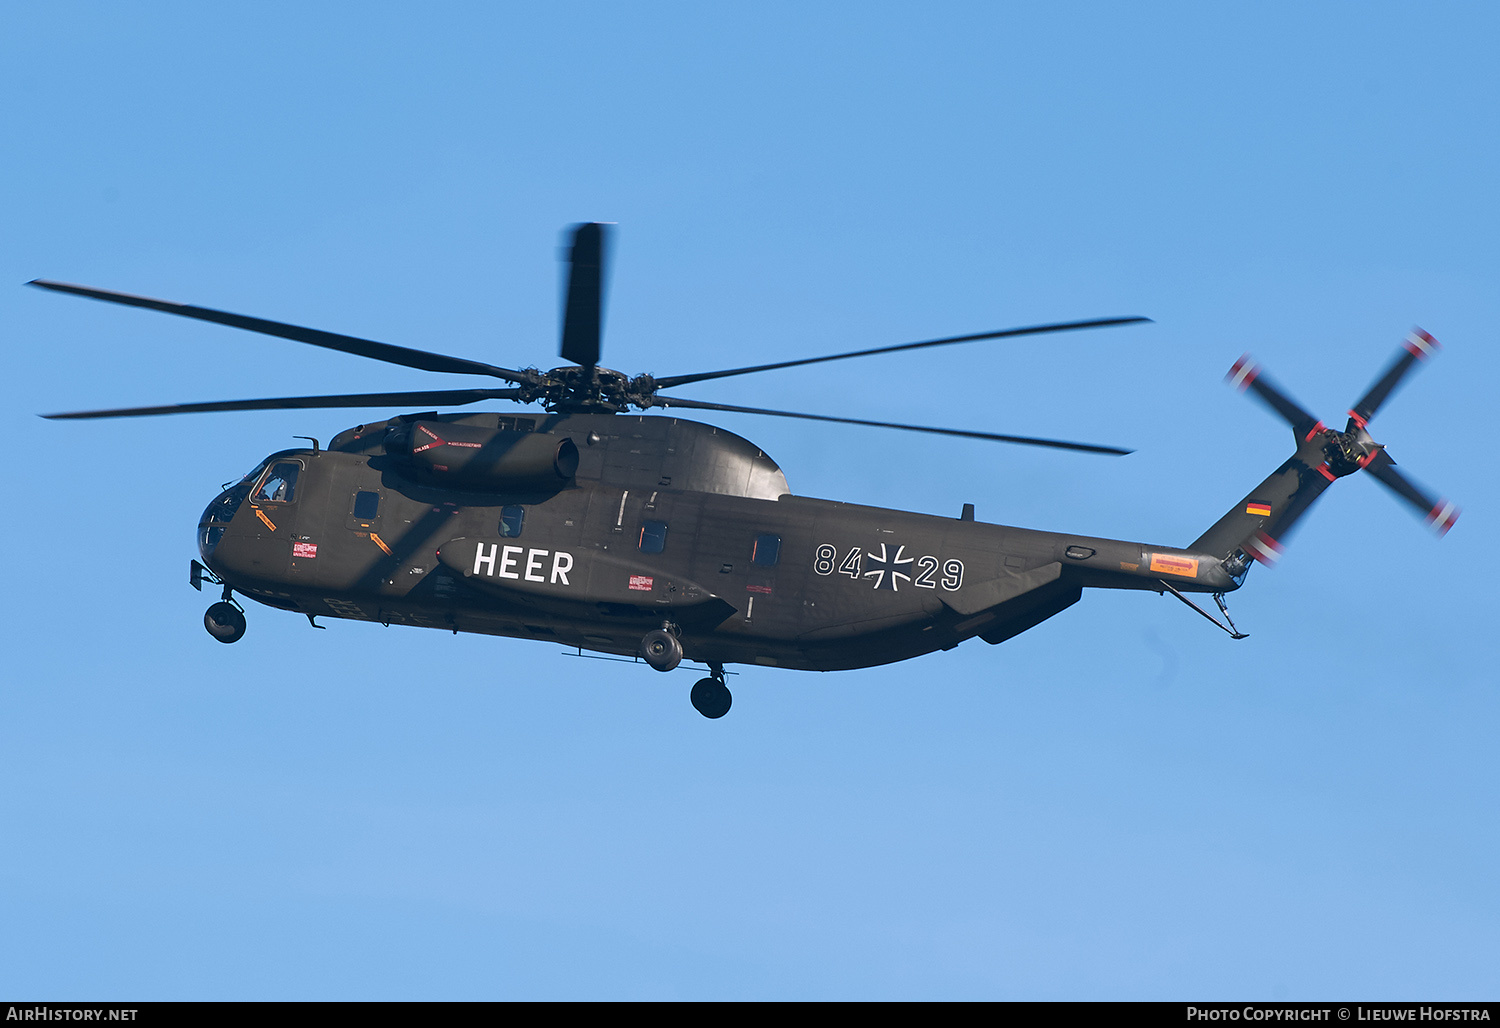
{"x":660,"y":539}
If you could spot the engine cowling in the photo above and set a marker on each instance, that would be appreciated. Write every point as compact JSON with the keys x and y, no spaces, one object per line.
{"x":485,"y":458}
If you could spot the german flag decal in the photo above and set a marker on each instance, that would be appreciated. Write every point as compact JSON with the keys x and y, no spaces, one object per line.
{"x":1165,"y":563}
{"x":1261,"y":510}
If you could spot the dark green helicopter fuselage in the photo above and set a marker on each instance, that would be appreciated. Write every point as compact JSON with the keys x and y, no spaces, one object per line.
{"x":626,"y":523}
{"x":666,"y":539}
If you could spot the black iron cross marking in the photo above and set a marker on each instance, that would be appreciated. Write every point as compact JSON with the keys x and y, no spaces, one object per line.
{"x":885,"y":568}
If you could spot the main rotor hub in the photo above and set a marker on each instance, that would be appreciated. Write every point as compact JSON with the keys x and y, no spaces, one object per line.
{"x":575,"y":388}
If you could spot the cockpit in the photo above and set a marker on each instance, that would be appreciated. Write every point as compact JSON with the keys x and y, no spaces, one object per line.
{"x":273,"y":480}
{"x":279,"y":485}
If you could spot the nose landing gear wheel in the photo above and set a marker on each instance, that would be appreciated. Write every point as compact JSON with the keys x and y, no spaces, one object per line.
{"x":711,"y":698}
{"x":225,"y":622}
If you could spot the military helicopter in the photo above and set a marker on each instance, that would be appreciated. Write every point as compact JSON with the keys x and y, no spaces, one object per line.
{"x":662,"y":539}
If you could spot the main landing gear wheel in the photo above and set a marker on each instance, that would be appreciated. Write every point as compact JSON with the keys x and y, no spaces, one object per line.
{"x":661,"y":649}
{"x":711,"y":698}
{"x":225,"y":622}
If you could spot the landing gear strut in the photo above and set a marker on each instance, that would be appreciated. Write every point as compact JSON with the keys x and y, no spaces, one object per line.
{"x":710,"y":696}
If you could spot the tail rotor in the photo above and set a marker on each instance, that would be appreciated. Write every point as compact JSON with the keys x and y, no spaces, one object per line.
{"x":1332,"y":455}
{"x":1257,"y":529}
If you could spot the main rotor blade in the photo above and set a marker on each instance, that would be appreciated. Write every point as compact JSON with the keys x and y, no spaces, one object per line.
{"x":1056,"y":444}
{"x":1440,"y":513}
{"x":423,"y":360}
{"x":583,"y":310}
{"x":434,"y":398}
{"x":1419,"y":346}
{"x":1032,"y":330}
{"x":1246,"y":374}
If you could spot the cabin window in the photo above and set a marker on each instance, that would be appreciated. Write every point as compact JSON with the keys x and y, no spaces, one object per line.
{"x":766,"y":551}
{"x":366,"y":505}
{"x":280,"y":483}
{"x":511,"y":520}
{"x":653,"y":537}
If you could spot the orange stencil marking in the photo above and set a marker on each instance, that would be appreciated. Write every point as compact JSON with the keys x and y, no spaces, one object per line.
{"x":1164,"y":563}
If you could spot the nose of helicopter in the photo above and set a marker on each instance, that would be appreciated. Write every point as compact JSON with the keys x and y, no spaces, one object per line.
{"x":216,"y":518}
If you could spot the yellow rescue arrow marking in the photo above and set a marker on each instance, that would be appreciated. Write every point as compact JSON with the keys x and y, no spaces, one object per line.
{"x":262,"y":515}
{"x":381,"y":543}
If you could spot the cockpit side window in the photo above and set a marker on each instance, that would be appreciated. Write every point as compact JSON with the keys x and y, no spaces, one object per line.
{"x":279,"y":484}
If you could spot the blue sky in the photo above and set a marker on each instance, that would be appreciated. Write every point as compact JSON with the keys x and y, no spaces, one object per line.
{"x":1122,"y":803}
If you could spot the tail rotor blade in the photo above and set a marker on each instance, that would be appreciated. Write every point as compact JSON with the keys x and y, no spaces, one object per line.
{"x":1440,"y":513}
{"x":1419,"y":346}
{"x":583,"y":309}
{"x":1247,"y":374}
{"x":1266,"y":544}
